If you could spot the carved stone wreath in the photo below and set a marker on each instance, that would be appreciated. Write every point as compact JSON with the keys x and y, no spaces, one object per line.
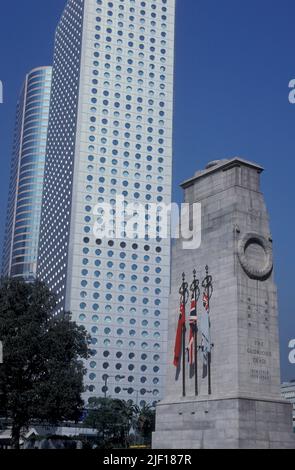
{"x":256,"y":272}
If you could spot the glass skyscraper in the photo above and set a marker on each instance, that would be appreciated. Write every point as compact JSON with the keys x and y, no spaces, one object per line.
{"x":109,"y":135}
{"x":26,"y":179}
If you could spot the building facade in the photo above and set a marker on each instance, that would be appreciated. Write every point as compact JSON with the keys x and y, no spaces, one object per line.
{"x":26,"y":180}
{"x":288,"y":393}
{"x":110,"y":136}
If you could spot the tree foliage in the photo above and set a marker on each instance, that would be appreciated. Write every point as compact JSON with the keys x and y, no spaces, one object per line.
{"x":146,"y":422}
{"x":42,"y":374}
{"x":114,"y":419}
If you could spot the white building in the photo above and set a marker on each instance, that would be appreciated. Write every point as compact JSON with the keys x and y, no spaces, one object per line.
{"x":110,"y":134}
{"x":288,"y":392}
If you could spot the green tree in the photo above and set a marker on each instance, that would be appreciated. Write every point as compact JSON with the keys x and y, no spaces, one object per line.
{"x":112,"y":418}
{"x":146,"y":423}
{"x":41,"y":378}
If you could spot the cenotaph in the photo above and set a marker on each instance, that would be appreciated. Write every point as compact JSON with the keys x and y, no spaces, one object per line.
{"x":244,"y":408}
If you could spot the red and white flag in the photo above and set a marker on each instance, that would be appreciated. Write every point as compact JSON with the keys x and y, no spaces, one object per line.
{"x":179,"y":333}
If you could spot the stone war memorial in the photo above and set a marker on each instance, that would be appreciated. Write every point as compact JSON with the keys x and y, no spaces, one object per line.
{"x":224,"y":390}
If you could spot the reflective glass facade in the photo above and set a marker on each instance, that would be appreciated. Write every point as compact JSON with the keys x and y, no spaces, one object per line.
{"x":27,"y":174}
{"x":110,"y":134}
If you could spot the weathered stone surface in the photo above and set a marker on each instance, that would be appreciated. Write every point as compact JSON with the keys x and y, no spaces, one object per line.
{"x":245,"y":409}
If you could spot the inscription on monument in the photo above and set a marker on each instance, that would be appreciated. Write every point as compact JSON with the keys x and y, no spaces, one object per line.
{"x":259,"y":356}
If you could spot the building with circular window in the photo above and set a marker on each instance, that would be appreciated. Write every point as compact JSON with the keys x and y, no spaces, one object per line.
{"x":110,"y":136}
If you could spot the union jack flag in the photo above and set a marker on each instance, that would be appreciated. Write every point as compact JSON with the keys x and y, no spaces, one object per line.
{"x":193,"y":321}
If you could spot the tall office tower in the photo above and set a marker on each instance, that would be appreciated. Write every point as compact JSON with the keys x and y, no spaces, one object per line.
{"x":26,"y":179}
{"x":110,"y":135}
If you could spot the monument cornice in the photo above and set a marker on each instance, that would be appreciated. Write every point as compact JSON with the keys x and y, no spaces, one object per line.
{"x":223,"y":165}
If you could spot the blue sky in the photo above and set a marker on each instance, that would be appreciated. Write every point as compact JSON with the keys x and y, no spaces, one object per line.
{"x":234,"y":60}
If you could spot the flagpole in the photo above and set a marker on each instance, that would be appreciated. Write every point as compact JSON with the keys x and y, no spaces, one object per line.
{"x":209,"y":374}
{"x":183,"y":340}
{"x":183,"y":291}
{"x":196,"y":290}
{"x":207,"y":284}
{"x":209,"y":354}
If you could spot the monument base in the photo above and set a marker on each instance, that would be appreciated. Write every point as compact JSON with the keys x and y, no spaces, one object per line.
{"x":233,"y":423}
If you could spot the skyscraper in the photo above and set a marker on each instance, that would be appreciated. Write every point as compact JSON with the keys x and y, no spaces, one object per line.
{"x":26,"y":179}
{"x":110,"y":134}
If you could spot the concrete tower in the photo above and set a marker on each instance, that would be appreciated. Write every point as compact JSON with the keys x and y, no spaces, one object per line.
{"x":245,"y":409}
